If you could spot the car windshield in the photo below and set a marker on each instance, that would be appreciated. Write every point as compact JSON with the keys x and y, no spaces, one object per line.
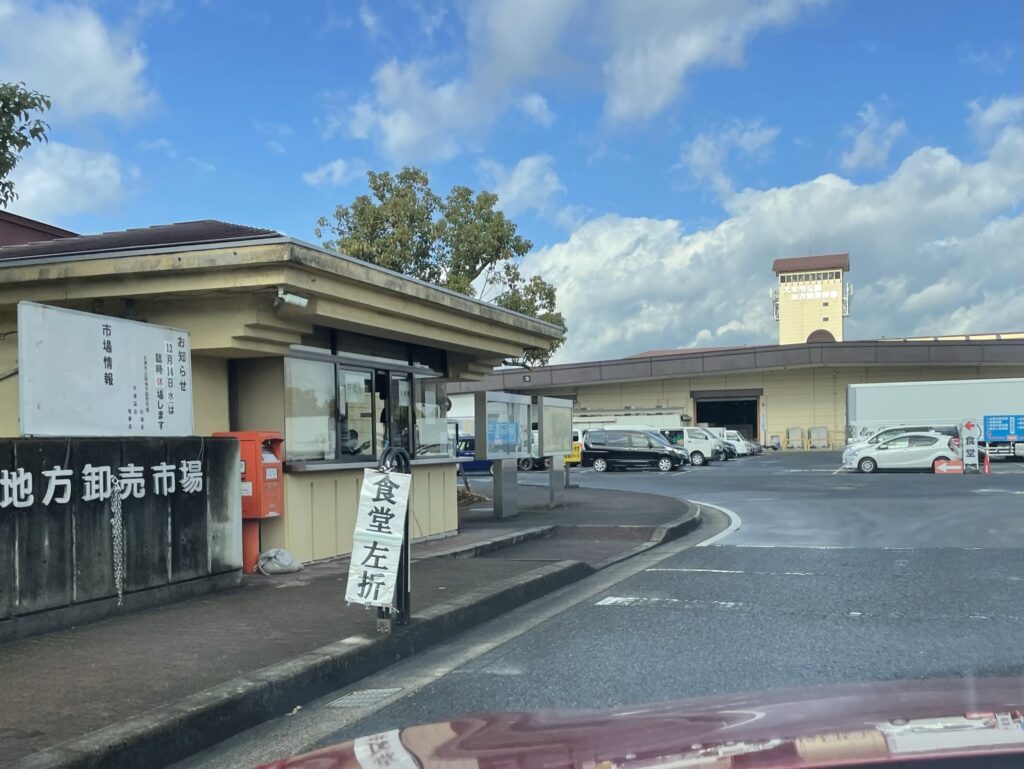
{"x":511,"y":384}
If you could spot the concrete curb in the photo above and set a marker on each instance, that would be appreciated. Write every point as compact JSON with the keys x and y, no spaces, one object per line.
{"x":170,"y":733}
{"x":490,"y":545}
{"x":661,"y":534}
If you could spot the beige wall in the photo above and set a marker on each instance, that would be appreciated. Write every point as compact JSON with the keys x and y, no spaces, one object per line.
{"x":9,"y":386}
{"x":260,"y":384}
{"x":806,"y":397}
{"x":804,"y":305}
{"x":320,"y":510}
{"x":210,"y":395}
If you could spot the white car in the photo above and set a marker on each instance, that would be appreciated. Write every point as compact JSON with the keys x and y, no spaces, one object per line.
{"x":741,"y":444}
{"x":909,"y":451}
{"x":891,"y":432}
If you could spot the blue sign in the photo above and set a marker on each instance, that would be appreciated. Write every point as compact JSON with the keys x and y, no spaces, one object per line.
{"x":1005,"y":427}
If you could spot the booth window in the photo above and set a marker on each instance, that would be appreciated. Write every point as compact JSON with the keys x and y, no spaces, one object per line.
{"x":349,"y":396}
{"x":310,"y":410}
{"x":430,"y":416}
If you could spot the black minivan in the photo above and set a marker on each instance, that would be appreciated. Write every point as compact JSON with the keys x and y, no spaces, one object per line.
{"x":625,"y":448}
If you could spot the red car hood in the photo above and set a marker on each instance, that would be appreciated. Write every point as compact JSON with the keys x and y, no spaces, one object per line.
{"x":847,"y":725}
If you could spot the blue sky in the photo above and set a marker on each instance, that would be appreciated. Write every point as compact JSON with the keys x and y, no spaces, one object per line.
{"x":659,"y":153}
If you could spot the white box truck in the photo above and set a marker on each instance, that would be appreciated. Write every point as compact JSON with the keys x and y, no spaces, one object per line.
{"x":874,"y":407}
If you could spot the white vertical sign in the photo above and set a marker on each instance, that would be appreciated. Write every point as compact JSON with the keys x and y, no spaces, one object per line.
{"x":85,"y":374}
{"x":970,"y":433}
{"x":377,"y":540}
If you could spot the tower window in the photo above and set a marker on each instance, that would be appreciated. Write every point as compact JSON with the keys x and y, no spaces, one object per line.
{"x":824,"y":319}
{"x":824,"y":304}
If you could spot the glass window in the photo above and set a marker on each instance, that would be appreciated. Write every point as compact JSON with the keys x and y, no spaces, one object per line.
{"x":597,"y":438}
{"x":355,"y":414}
{"x":400,"y":412}
{"x":898,"y":443}
{"x":640,"y":441}
{"x":430,"y":416}
{"x":923,"y":440}
{"x":618,"y":440}
{"x":310,"y":408}
{"x":372,"y":349}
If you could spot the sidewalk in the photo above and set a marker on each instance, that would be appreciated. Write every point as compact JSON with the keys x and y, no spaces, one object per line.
{"x":163,"y":683}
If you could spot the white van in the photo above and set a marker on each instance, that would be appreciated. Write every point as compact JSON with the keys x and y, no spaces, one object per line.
{"x":702,"y":445}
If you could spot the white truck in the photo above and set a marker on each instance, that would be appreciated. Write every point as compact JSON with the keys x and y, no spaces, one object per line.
{"x":874,"y":407}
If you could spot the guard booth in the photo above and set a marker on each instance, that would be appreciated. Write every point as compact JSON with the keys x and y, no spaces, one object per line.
{"x":340,"y":358}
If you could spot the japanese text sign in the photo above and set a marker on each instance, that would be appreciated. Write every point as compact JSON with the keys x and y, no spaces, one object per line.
{"x":1004,"y":427}
{"x":377,"y":540}
{"x":85,"y":374}
{"x":970,"y":433}
{"x":383,"y":751}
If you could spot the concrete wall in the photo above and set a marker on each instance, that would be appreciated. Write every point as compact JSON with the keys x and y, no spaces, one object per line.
{"x":210,"y":395}
{"x":806,"y":397}
{"x":57,"y":554}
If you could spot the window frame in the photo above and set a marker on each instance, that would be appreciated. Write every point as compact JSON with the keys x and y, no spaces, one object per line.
{"x":339,"y":361}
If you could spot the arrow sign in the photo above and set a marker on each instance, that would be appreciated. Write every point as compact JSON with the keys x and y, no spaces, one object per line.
{"x":950,"y":467}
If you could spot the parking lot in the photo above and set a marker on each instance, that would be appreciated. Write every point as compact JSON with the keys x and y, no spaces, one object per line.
{"x":806,"y":499}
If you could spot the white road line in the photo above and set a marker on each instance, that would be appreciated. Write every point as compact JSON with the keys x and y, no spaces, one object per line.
{"x":734,"y":523}
{"x":633,"y":600}
{"x":703,"y":571}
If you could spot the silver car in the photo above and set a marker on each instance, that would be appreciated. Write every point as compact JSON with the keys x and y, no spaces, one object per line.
{"x":909,"y":451}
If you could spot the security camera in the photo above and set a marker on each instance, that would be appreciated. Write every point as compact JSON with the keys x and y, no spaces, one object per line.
{"x":283,"y":297}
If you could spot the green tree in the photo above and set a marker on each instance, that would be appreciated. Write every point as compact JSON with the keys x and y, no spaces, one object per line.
{"x":18,"y":129}
{"x":460,"y":242}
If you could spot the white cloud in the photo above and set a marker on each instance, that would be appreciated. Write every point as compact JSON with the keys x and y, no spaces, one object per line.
{"x":705,"y":156}
{"x":161,"y":144}
{"x":57,"y":180}
{"x":985,"y":122}
{"x":872,"y":140}
{"x":654,"y":49}
{"x":370,"y":21}
{"x":334,"y":174}
{"x":934,"y":248}
{"x":70,"y":54}
{"x":531,"y":185}
{"x":536,"y":106}
{"x":416,"y":114}
{"x":275,"y":146}
{"x":272,"y":134}
{"x":990,"y":61}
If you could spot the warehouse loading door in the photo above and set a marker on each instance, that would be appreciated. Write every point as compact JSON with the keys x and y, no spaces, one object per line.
{"x":731,"y":409}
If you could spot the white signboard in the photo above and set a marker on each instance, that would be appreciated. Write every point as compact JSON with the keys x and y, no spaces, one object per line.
{"x":970,"y":434}
{"x":86,"y":374}
{"x":377,"y":540}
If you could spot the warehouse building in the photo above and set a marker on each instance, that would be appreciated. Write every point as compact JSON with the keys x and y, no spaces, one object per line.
{"x":764,"y":390}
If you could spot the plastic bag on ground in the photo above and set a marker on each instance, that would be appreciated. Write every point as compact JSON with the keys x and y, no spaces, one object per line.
{"x":277,"y":560}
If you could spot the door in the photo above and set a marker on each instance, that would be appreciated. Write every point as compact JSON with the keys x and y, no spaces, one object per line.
{"x":619,"y":452}
{"x":893,"y":453}
{"x":697,"y":440}
{"x":921,"y":450}
{"x":643,"y":450}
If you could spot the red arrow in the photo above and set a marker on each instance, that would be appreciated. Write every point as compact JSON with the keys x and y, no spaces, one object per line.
{"x":969,"y":425}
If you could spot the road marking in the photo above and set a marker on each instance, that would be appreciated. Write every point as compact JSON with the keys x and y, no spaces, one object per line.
{"x":639,"y":600}
{"x":704,"y":571}
{"x":633,"y":600}
{"x":734,"y":523}
{"x":736,"y":571}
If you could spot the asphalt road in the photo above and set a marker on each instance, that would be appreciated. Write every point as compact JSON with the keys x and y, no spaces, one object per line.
{"x":830,"y":577}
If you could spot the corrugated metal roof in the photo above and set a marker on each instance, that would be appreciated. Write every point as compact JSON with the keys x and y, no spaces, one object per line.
{"x":802,"y":263}
{"x":178,"y":234}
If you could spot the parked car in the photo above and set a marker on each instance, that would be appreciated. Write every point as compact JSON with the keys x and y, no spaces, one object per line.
{"x":741,"y":444}
{"x":910,"y":451}
{"x":468,"y":462}
{"x":892,"y":432}
{"x":701,"y":446}
{"x":627,"y":448}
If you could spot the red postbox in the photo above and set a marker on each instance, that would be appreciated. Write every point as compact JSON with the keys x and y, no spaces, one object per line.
{"x":262,"y":464}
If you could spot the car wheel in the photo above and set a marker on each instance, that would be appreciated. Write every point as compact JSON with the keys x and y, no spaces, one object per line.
{"x":935,"y":464}
{"x":696,"y":459}
{"x":867,"y":465}
{"x":547,"y":463}
{"x":525,"y":464}
{"x":458,"y":469}
{"x":664,"y":464}
{"x":490,"y":470}
{"x":600,"y":465}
